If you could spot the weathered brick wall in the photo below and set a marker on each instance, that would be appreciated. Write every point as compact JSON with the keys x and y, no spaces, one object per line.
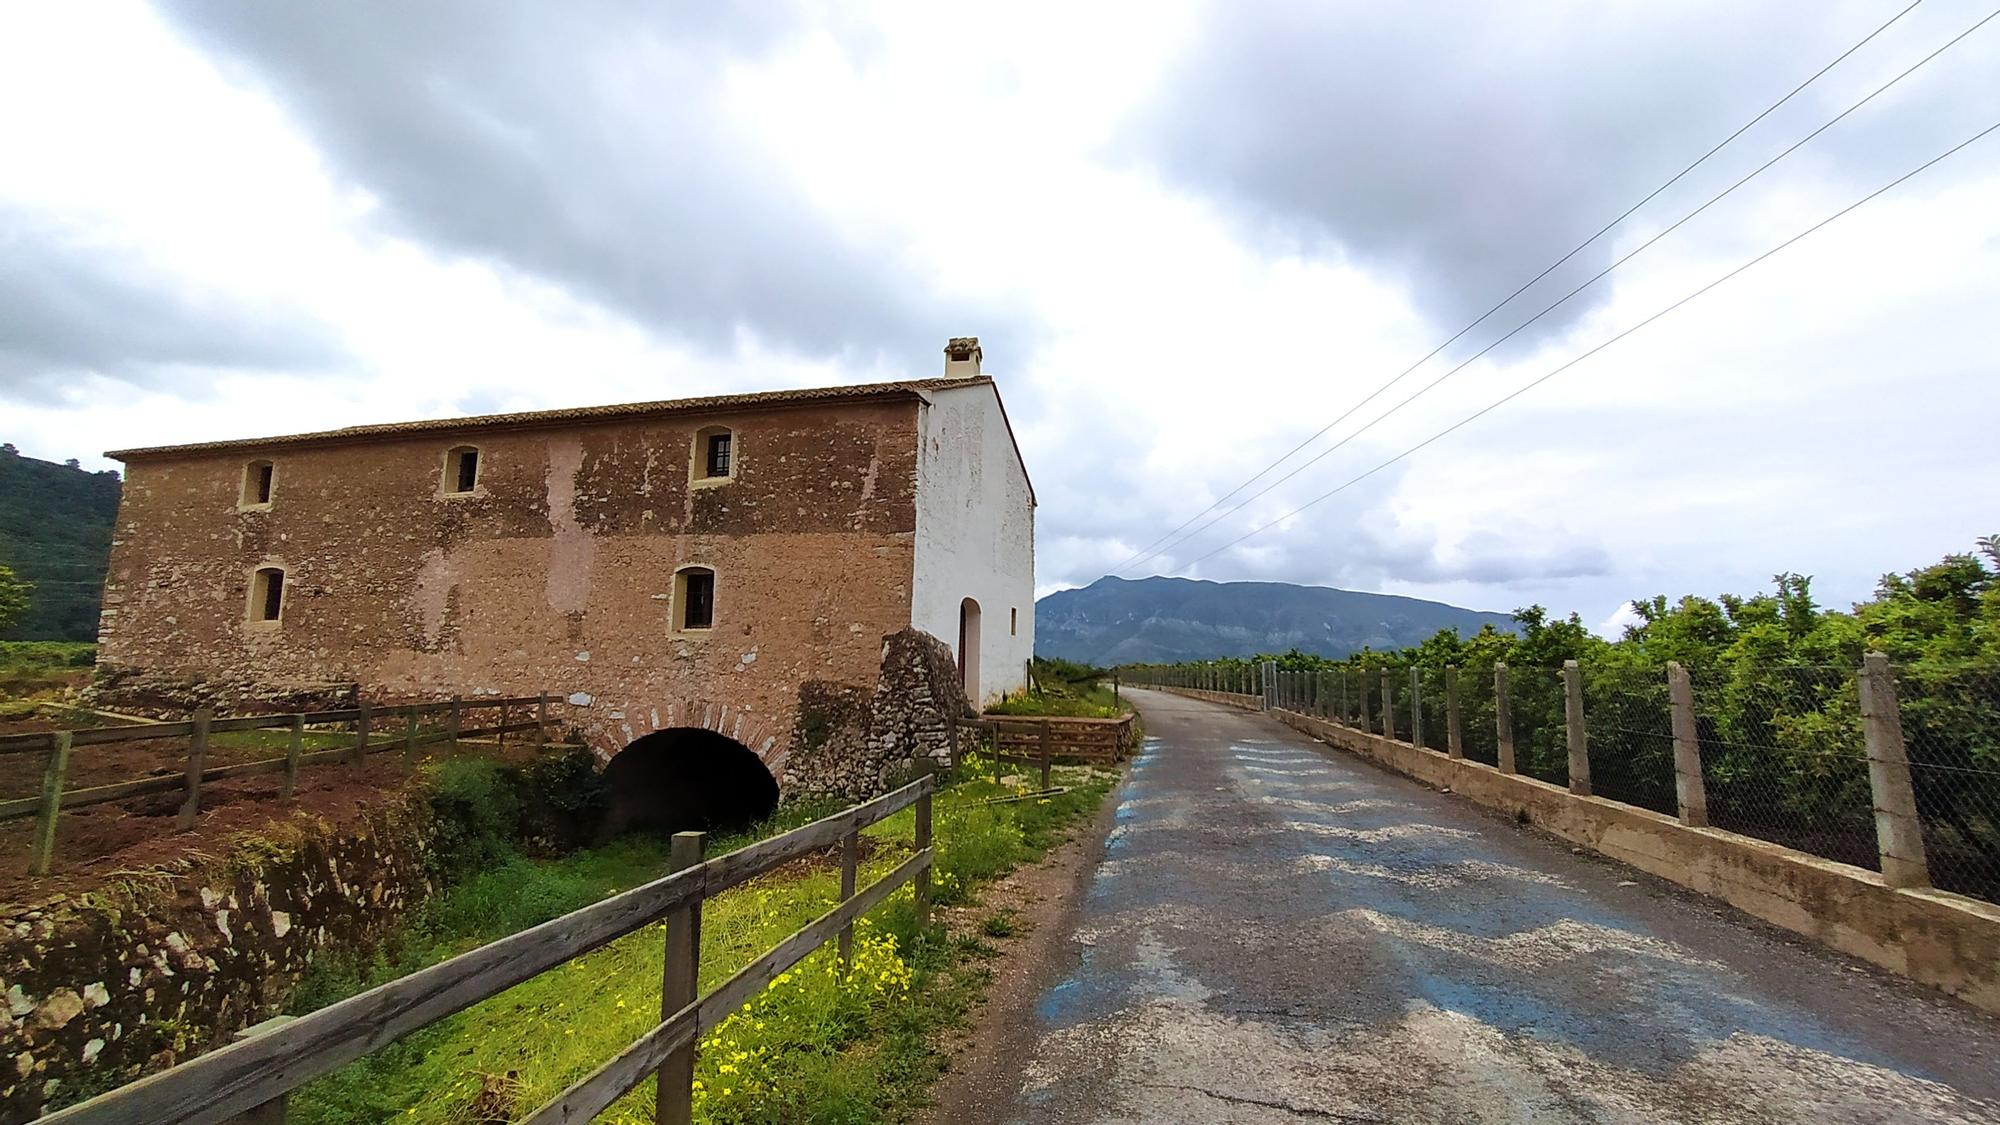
{"x":554,"y":576}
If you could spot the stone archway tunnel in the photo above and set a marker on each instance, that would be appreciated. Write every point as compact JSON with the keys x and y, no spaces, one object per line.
{"x":686,"y":779}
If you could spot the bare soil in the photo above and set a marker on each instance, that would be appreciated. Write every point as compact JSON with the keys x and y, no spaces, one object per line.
{"x":1043,"y":901}
{"x":100,"y":842}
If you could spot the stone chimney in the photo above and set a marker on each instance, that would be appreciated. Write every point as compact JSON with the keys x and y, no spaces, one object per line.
{"x":961,"y":357}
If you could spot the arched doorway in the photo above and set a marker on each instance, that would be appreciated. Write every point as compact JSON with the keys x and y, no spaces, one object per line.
{"x":687,"y":779}
{"x":968,"y":649}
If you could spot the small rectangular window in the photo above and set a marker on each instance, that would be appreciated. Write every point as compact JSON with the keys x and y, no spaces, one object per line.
{"x":718,"y":455}
{"x":267,"y":594}
{"x":264,"y":482}
{"x":1013,"y":622}
{"x":698,"y":600}
{"x":468,"y":470}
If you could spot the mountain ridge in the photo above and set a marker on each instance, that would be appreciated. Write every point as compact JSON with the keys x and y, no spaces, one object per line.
{"x":1164,"y":619}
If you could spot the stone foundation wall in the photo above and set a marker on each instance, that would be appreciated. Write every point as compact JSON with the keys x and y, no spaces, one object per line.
{"x":852,"y":743}
{"x":102,"y":988}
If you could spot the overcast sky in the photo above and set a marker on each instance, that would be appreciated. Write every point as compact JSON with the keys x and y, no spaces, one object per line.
{"x":1188,"y":235}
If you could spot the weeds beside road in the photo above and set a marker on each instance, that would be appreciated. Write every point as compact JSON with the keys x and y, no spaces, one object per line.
{"x":819,"y":1046}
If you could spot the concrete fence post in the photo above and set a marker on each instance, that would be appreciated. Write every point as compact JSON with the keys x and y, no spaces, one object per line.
{"x":1388,"y":708}
{"x":1361,"y":703}
{"x":673,"y":1103}
{"x":1899,"y":834}
{"x":1344,"y":712}
{"x":1416,"y":708}
{"x":1579,"y":745}
{"x":1454,"y":736}
{"x":1690,"y":792}
{"x":1503,"y":720}
{"x":190,"y":812}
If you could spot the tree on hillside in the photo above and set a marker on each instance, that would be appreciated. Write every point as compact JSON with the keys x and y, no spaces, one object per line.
{"x":13,"y":597}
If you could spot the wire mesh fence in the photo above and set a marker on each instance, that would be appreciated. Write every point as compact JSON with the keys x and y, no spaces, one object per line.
{"x":1541,"y":738}
{"x":1951,"y":733}
{"x":1629,"y":735}
{"x":1784,"y":751}
{"x":1478,"y":732}
{"x":1784,"y":759}
{"x":1429,"y":697}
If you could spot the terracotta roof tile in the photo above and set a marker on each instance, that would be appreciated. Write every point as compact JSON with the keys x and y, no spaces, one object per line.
{"x":539,"y":418}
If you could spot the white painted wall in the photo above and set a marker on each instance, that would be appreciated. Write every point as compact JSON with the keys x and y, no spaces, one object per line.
{"x":975,"y":534}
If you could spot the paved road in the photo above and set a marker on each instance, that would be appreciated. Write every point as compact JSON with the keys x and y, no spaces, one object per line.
{"x":1279,"y":932}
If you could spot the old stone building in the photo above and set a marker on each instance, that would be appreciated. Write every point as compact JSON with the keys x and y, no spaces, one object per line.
{"x":800,"y":585}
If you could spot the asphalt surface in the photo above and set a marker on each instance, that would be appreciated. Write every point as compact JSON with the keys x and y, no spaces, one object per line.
{"x":1279,"y":931}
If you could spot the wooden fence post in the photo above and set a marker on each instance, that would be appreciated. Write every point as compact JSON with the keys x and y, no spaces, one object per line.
{"x":409,"y":737}
{"x":271,"y":1112}
{"x":1048,"y":749}
{"x":44,"y":853}
{"x":673,"y":1104}
{"x":850,"y":863}
{"x":1454,"y":735}
{"x":500,"y":739}
{"x":922,"y":893}
{"x":1690,"y":791}
{"x":1388,"y":708}
{"x":1416,"y":708}
{"x":1114,"y":685}
{"x":452,"y":721}
{"x":1899,"y":834}
{"x":361,"y":726}
{"x":541,"y":722}
{"x":1503,"y":720}
{"x":1579,"y":744}
{"x":294,"y":749}
{"x":197,"y":757}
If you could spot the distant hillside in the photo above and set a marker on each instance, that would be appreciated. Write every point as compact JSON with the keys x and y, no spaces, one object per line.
{"x":1113,"y":621}
{"x":55,"y":531}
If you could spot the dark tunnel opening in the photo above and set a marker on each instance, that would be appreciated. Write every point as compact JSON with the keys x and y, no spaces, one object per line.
{"x":687,"y":780}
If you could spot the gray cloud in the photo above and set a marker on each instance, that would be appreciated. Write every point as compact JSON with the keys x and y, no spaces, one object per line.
{"x":1465,"y":145}
{"x":588,"y":144}
{"x":69,"y":306}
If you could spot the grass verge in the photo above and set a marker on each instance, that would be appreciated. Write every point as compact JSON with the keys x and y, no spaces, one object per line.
{"x":821,"y":1045}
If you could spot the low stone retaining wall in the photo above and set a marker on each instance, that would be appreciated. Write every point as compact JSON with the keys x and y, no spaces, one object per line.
{"x":103,"y":987}
{"x":1945,"y":940}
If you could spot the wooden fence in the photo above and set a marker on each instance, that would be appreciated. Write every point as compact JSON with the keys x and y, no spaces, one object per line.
{"x":369,"y":738}
{"x":1044,"y":741}
{"x":254,"y":1075}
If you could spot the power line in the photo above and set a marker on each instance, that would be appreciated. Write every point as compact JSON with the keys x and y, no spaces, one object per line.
{"x":1143,"y":553}
{"x":1175,"y":540}
{"x":1517,"y":393}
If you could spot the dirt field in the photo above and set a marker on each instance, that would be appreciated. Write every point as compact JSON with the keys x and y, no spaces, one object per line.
{"x":100,"y":841}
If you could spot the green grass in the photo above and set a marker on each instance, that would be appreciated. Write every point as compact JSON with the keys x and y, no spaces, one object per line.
{"x":820,"y":1046}
{"x":1091,"y":700}
{"x":43,"y":668}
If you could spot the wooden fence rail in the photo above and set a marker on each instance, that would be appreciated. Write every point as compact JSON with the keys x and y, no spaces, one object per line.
{"x":55,"y":795}
{"x":256,"y":1073}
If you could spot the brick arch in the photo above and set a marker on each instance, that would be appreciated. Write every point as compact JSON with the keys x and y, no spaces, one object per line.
{"x":763,"y":735}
